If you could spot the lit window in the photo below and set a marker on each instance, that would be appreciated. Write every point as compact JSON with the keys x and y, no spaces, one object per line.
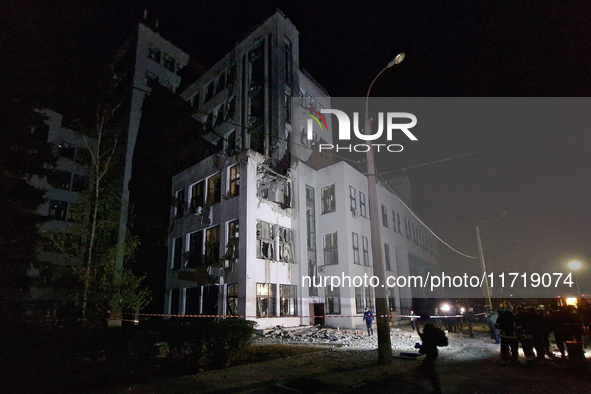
{"x":288,"y":297}
{"x":331,"y":252}
{"x":234,"y":180}
{"x":266,"y":299}
{"x":328,"y":199}
{"x":197,"y":197}
{"x":212,"y":245}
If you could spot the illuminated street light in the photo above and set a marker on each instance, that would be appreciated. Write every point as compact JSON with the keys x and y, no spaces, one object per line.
{"x":383,"y":324}
{"x":576,"y":265}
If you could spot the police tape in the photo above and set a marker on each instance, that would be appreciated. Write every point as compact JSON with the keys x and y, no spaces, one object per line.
{"x":413,"y":317}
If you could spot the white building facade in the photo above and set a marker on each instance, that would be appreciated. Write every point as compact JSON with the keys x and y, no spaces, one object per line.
{"x":250,"y":223}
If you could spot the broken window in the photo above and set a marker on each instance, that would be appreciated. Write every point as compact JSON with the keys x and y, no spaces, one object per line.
{"x":264,"y":241}
{"x":273,"y":187}
{"x":285,"y":246}
{"x":231,"y":75}
{"x":232,"y":299}
{"x":332,"y":304}
{"x":58,"y":209}
{"x":310,"y":218}
{"x":365,"y":245}
{"x":195,"y":255}
{"x":328,"y":199}
{"x":331,"y":252}
{"x":197,"y":197}
{"x":288,"y":297}
{"x":234,"y":180}
{"x":154,"y":53}
{"x":356,"y":248}
{"x":177,"y":253}
{"x":212,"y":245}
{"x":353,"y":199}
{"x":266,"y":300}
{"x":214,"y":189}
{"x":232,"y":246}
{"x":391,"y":295}
{"x":287,"y":105}
{"x":179,"y":200}
{"x":230,"y":108}
{"x":362,"y":206}
{"x":287,"y":51}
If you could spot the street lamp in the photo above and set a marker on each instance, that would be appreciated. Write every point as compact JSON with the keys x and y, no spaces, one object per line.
{"x":575,"y":265}
{"x":383,"y":324}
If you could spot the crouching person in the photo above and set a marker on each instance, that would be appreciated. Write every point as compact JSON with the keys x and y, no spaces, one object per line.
{"x":432,"y":337}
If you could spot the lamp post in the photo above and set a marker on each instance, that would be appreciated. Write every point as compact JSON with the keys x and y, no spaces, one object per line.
{"x":575,"y":266}
{"x":383,"y":324}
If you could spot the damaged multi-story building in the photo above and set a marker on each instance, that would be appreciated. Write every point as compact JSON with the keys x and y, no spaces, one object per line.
{"x":249,"y":222}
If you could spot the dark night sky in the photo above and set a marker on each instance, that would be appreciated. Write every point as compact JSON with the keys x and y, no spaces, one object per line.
{"x":540,"y":180}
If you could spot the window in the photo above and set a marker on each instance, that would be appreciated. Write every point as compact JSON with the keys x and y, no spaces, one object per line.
{"x":288,"y":61}
{"x":362,"y":206}
{"x":230,"y":108}
{"x":79,"y":182}
{"x":265,"y":299}
{"x":58,"y":209}
{"x":208,"y":92}
{"x":212,"y":245}
{"x":384,"y":216}
{"x":328,"y":199}
{"x":359,"y":300}
{"x":310,"y":218}
{"x":287,"y":303}
{"x":285,"y":253}
{"x":174,"y":296}
{"x":264,"y":241}
{"x":365,"y":251}
{"x":391,"y":299}
{"x":356,"y":249}
{"x":214,"y":188}
{"x":151,"y":79}
{"x":287,"y":109}
{"x":154,"y":53}
{"x":396,"y":221}
{"x":177,"y":253}
{"x":353,"y":198}
{"x":168,"y":62}
{"x":369,"y":298}
{"x":332,"y":302}
{"x":179,"y":200}
{"x":234,"y":180}
{"x":195,"y":257}
{"x":387,"y":257}
{"x":66,"y":150}
{"x":232,"y":245}
{"x":331,"y":252}
{"x":59,"y":179}
{"x":232,"y":299}
{"x":197,"y":197}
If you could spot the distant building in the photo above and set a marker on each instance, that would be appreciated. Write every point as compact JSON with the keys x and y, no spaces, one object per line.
{"x":249,"y":222}
{"x":50,"y":291}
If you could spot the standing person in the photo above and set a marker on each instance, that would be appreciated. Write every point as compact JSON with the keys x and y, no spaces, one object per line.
{"x":506,"y":324}
{"x":368,"y":319}
{"x":470,"y":318}
{"x":492,"y":320}
{"x":413,"y":317}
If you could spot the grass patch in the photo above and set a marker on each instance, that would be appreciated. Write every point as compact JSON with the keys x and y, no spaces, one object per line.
{"x":259,"y":353}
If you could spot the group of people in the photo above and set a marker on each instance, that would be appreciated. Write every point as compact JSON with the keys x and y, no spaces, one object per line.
{"x":531,"y":328}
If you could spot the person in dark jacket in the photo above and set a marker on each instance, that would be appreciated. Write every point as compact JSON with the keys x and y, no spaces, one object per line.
{"x":492,"y":320}
{"x":506,"y":325}
{"x":430,"y":337}
{"x":470,"y":318}
{"x":368,"y":319}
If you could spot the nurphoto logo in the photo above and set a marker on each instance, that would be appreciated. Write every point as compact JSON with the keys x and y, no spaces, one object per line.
{"x":387,"y":122}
